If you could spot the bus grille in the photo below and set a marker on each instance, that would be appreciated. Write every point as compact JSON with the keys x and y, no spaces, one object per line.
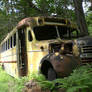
{"x":87,"y":49}
{"x":86,"y":54}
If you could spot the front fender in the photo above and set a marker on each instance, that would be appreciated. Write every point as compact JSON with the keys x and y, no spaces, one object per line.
{"x":45,"y":64}
{"x":64,"y":64}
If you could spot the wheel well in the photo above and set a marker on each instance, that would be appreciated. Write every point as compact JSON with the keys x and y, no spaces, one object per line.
{"x":45,"y":66}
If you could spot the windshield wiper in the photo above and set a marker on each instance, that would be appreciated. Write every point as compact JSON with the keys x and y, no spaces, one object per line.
{"x":57,"y":32}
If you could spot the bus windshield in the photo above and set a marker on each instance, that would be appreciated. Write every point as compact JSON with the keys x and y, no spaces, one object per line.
{"x":49,"y":32}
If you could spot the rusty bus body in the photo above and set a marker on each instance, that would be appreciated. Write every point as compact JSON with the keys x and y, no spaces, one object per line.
{"x":45,"y":44}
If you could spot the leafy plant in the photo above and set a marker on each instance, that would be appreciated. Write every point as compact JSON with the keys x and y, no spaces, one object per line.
{"x":10,"y":84}
{"x":79,"y":79}
{"x":5,"y":81}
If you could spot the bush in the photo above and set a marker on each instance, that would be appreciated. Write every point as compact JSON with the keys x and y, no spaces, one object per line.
{"x":81,"y":78}
{"x":5,"y":81}
{"x":10,"y":84}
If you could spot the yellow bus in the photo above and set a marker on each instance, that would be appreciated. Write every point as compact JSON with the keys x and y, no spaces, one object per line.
{"x":23,"y":50}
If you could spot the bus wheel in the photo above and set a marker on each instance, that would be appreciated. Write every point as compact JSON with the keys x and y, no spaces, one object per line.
{"x":51,"y":74}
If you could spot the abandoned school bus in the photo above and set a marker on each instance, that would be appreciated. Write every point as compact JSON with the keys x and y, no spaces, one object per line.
{"x":45,"y":44}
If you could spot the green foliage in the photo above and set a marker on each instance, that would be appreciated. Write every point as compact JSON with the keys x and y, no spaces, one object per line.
{"x":10,"y":84}
{"x":79,"y":79}
{"x":89,"y":22}
{"x":19,"y":83}
{"x":5,"y":81}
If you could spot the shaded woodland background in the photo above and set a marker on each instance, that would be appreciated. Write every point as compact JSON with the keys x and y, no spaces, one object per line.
{"x":12,"y":11}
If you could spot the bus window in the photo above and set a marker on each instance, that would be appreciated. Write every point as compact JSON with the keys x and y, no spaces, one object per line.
{"x":14,"y":40}
{"x":29,"y":36}
{"x":11,"y":42}
{"x":4,"y":46}
{"x":8,"y":43}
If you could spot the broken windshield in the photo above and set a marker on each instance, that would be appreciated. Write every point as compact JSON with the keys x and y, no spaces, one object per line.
{"x":49,"y":32}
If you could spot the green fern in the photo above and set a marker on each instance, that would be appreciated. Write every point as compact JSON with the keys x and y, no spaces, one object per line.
{"x":81,"y":78}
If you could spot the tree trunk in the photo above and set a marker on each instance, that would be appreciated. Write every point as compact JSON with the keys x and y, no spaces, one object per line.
{"x":91,"y":5}
{"x":32,"y":5}
{"x":80,"y":17}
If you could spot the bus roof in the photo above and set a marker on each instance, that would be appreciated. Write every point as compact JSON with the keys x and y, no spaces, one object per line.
{"x":39,"y":21}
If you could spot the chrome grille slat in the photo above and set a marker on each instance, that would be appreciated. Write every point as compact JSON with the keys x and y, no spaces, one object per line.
{"x":86,"y":54}
{"x":86,"y":60}
{"x":86,"y":49}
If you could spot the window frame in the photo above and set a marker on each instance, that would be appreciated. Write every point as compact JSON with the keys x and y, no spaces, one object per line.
{"x":30,"y":36}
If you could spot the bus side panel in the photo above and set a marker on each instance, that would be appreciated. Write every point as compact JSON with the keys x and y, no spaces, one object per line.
{"x":9,"y":60}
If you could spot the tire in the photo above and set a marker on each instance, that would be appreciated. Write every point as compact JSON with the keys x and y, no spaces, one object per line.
{"x":51,"y":74}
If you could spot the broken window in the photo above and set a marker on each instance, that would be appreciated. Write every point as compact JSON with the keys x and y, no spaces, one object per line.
{"x":8,"y":44}
{"x":14,"y":40}
{"x":29,"y":36}
{"x":45,"y":32}
{"x":11,"y":42}
{"x":48,"y":32}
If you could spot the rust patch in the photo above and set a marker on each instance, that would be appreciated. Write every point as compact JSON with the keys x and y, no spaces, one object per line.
{"x":7,"y":61}
{"x":24,"y":22}
{"x":64,"y":64}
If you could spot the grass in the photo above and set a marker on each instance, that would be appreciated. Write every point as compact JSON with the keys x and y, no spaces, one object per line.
{"x":5,"y":81}
{"x":10,"y":84}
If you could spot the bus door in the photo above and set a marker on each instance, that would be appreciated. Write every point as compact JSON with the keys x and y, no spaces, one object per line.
{"x":22,"y":53}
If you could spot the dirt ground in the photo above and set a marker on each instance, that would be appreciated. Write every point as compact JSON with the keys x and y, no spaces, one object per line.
{"x":32,"y":86}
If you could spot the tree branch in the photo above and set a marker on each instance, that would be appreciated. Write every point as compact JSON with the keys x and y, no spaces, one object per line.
{"x":34,"y":6}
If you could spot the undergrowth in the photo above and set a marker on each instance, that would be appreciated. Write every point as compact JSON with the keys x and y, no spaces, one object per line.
{"x":5,"y":81}
{"x":10,"y":84}
{"x":81,"y":78}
